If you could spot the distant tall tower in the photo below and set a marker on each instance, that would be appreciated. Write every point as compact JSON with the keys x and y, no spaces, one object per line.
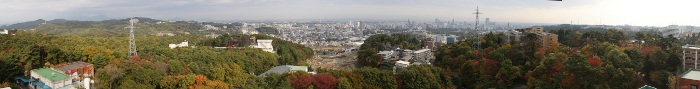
{"x":132,"y":43}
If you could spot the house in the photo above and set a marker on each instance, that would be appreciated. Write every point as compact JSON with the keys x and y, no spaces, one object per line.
{"x":76,"y":71}
{"x":285,"y":69}
{"x":47,"y":78}
{"x":265,"y":45}
{"x":182,"y":44}
{"x":689,"y":80}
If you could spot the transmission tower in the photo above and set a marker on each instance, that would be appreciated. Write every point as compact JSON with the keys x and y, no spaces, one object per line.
{"x":476,"y":28}
{"x":132,"y":44}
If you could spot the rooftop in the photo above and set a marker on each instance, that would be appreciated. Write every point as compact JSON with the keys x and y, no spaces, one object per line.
{"x":691,"y":74}
{"x":49,"y":74}
{"x":284,"y":69}
{"x":403,"y":62}
{"x":386,"y":52}
{"x":691,"y":47}
{"x":647,"y":87}
{"x":422,"y":50}
{"x":70,"y":66}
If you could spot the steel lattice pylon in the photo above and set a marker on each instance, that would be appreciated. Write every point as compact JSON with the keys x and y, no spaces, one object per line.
{"x":476,"y":28}
{"x":132,"y":43}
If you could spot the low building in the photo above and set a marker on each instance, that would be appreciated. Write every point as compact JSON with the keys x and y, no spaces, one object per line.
{"x":285,"y":69}
{"x":47,"y":78}
{"x":689,"y":80}
{"x":401,"y":64}
{"x":512,"y":35}
{"x":544,"y":39}
{"x":423,"y":55}
{"x":451,"y":39}
{"x":76,"y":71}
{"x":182,"y":44}
{"x":265,"y":45}
{"x":691,"y":58}
{"x":4,"y":32}
{"x":388,"y":55}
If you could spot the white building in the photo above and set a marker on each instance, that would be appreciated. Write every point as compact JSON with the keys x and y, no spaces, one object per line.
{"x":48,"y":78}
{"x":4,"y":32}
{"x":388,"y":55}
{"x":423,"y":55}
{"x":401,"y":64}
{"x":183,"y":44}
{"x":265,"y":45}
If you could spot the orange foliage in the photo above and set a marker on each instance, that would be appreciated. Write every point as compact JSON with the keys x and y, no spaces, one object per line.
{"x":5,"y":84}
{"x":594,"y":61}
{"x":648,"y":49}
{"x":137,"y":58}
{"x":200,"y":79}
{"x":325,"y":81}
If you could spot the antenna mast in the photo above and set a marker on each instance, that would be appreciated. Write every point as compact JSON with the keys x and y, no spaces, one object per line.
{"x":132,"y":44}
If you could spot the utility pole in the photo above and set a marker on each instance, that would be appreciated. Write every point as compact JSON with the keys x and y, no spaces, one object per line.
{"x":132,"y":43}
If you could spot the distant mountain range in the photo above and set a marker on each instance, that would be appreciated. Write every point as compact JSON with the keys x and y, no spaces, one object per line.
{"x":35,"y":23}
{"x":31,"y":24}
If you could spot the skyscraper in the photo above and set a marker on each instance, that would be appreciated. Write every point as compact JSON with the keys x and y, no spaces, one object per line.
{"x":487,"y":22}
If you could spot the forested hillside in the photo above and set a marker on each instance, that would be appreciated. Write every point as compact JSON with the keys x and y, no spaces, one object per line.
{"x":104,"y":44}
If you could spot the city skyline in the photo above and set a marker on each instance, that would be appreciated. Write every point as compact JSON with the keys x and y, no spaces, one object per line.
{"x":592,"y":12}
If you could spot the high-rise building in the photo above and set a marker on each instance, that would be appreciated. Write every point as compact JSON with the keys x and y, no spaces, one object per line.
{"x":487,"y":21}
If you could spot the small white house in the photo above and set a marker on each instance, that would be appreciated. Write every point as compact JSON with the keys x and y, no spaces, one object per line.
{"x":183,"y":44}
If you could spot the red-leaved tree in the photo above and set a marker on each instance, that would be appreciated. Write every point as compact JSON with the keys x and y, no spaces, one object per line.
{"x":594,"y":61}
{"x":325,"y":81}
{"x":300,"y":80}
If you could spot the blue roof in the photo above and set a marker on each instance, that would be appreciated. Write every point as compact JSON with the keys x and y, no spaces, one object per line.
{"x":23,"y":79}
{"x":41,"y":84}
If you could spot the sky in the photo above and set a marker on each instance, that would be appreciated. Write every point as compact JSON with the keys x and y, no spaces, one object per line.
{"x":594,"y":12}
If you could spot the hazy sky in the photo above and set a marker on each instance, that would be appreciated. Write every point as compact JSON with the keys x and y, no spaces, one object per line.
{"x":611,"y":12}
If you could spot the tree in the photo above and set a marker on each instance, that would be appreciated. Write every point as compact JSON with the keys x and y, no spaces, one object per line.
{"x":325,"y":81}
{"x":300,"y":80}
{"x":374,"y":78}
{"x":344,"y":83}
